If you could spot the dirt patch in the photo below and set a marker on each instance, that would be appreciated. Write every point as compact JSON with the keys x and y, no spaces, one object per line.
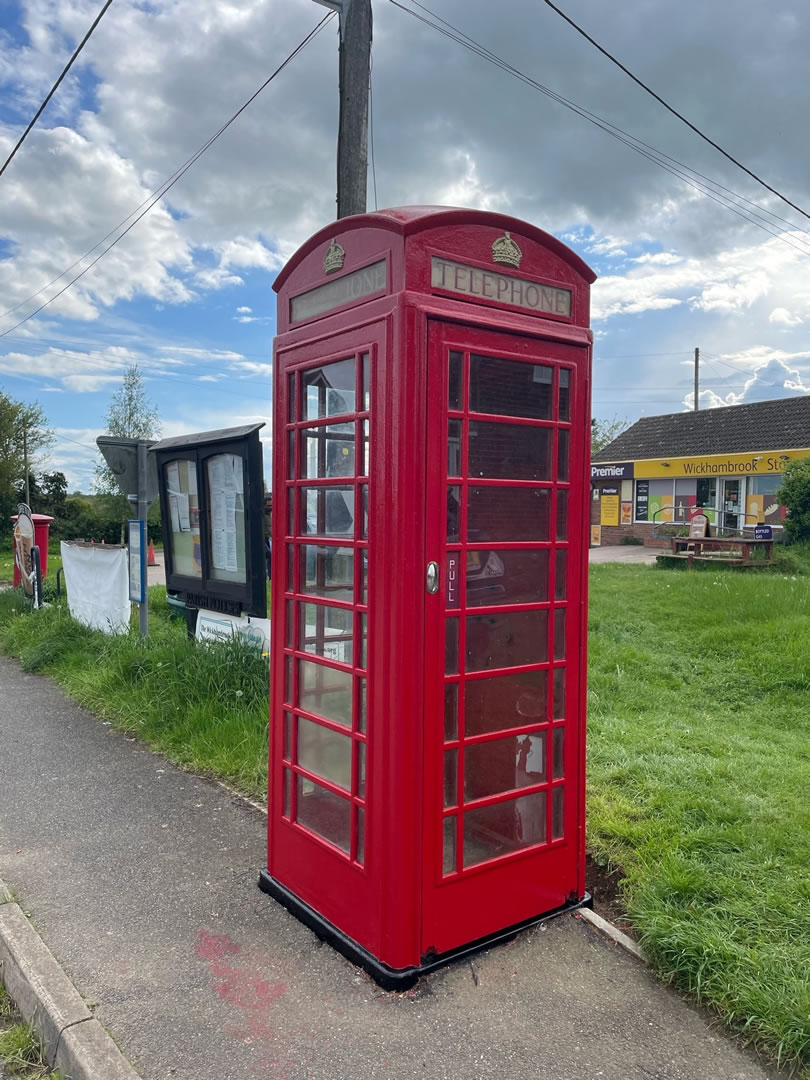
{"x":604,"y":885}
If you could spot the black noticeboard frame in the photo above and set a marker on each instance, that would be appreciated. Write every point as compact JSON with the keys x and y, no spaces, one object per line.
{"x":234,"y":598}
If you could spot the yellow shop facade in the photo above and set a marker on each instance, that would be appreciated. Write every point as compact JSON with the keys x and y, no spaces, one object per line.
{"x":727,"y":463}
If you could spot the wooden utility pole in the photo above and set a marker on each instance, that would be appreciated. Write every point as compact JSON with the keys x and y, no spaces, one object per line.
{"x":697,"y":379}
{"x":354,"y":63}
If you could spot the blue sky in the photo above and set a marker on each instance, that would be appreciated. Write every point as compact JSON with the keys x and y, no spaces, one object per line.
{"x":187,"y":293}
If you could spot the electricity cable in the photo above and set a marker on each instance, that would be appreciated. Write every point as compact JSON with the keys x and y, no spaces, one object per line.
{"x":651,"y":153}
{"x":160,"y":192}
{"x":55,"y":86}
{"x":675,"y":112}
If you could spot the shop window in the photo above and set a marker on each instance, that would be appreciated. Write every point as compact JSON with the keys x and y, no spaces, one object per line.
{"x":761,"y":503}
{"x":660,"y":506}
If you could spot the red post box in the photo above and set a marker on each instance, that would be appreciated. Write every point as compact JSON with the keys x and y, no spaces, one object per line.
{"x":42,"y":531}
{"x":431,"y":404}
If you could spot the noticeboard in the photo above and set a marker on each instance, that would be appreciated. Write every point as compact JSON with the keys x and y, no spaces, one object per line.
{"x":212,"y":508}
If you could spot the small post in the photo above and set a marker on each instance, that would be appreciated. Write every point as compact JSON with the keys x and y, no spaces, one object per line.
{"x":143,"y":510}
{"x":25,"y":465}
{"x":697,"y":379}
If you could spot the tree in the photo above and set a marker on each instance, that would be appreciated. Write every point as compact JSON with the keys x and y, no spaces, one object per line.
{"x":131,"y":415}
{"x":794,"y":494}
{"x":603,"y":432}
{"x":24,"y":437}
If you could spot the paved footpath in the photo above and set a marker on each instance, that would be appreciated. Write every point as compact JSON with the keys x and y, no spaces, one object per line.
{"x":142,"y":881}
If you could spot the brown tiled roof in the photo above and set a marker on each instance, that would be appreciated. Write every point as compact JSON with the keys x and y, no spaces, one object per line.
{"x":783,"y":424}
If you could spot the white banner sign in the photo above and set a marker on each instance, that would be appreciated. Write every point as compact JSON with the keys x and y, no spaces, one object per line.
{"x":97,"y":583}
{"x":214,"y":626}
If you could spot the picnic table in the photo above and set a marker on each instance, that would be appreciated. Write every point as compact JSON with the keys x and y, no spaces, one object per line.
{"x":721,"y":549}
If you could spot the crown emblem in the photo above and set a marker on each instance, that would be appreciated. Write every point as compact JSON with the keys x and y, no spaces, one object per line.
{"x":333,"y":259}
{"x":505,"y":250}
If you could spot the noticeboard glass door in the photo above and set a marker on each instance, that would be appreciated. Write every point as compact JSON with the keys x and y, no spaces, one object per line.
{"x":504,"y":521}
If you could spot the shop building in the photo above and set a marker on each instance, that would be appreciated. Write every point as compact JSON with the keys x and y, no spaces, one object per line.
{"x":726,"y":463}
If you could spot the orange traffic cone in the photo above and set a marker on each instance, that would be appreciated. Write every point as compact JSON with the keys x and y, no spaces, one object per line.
{"x":150,"y":557}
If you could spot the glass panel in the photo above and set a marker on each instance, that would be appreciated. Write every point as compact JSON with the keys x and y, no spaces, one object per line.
{"x":451,"y":647}
{"x":327,"y":571}
{"x":325,"y":631}
{"x":288,"y":694}
{"x":558,"y":767}
{"x":184,"y":508}
{"x":507,"y":514}
{"x":291,"y":456}
{"x":506,"y":577}
{"x":505,"y":827}
{"x":360,"y":825}
{"x":454,"y":448}
{"x":287,"y":791}
{"x":291,"y":397}
{"x":510,"y":451}
{"x":327,"y":511}
{"x":291,"y":512}
{"x":563,"y":443}
{"x":449,"y":859}
{"x":453,"y":514}
{"x":504,"y":764}
{"x":226,"y":517}
{"x":560,"y":590}
{"x":361,"y":770}
{"x":559,"y":634}
{"x":364,"y":512}
{"x":325,"y":752}
{"x":364,"y":576}
{"x":364,"y":458}
{"x":450,"y":711}
{"x":450,"y":778}
{"x":361,"y":705}
{"x":505,"y":701}
{"x":323,"y":812}
{"x":329,"y":390}
{"x":327,"y":452}
{"x":366,"y":358}
{"x":290,"y":568}
{"x":562,"y":515}
{"x":506,"y":639}
{"x":559,"y":693}
{"x":290,"y":627}
{"x":454,"y":379}
{"x":325,"y":691}
{"x":287,"y":750}
{"x":557,"y":813}
{"x":565,"y":394}
{"x":363,"y":641}
{"x":510,"y":387}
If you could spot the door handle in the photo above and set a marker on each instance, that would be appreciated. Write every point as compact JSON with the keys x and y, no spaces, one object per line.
{"x":432,"y":577}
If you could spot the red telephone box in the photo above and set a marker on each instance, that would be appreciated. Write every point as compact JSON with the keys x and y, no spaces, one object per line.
{"x":431,"y":424}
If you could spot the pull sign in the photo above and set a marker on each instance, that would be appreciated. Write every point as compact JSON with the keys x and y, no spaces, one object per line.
{"x":432,"y":577}
{"x":453,"y":562}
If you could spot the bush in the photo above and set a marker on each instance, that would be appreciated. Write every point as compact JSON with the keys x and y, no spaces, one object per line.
{"x":631,"y":541}
{"x":795,"y":495}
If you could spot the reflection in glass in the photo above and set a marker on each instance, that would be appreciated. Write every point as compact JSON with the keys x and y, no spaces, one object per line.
{"x":557,"y":813}
{"x":364,"y":511}
{"x":451,"y":647}
{"x":563,"y":443}
{"x":325,"y":752}
{"x":449,"y":856}
{"x":510,"y":451}
{"x":361,"y":770}
{"x":506,"y":639}
{"x":327,"y":571}
{"x":329,"y":390}
{"x":327,"y":511}
{"x":323,"y":812}
{"x":364,"y":575}
{"x":506,"y":577}
{"x":364,"y":458}
{"x":291,"y":512}
{"x":562,"y":514}
{"x":454,"y":380}
{"x":288,"y":680}
{"x":565,"y":395}
{"x":501,"y":702}
{"x":558,"y":767}
{"x":326,"y":631}
{"x":363,"y":640}
{"x":559,"y":634}
{"x":287,"y":750}
{"x":360,"y":819}
{"x":180,"y":477}
{"x":450,"y":778}
{"x":287,"y":789}
{"x":289,"y":638}
{"x":366,"y":359}
{"x":559,"y":693}
{"x":453,"y":513}
{"x":560,"y":591}
{"x":507,"y":514}
{"x":450,"y":711}
{"x":490,"y":831}
{"x":291,"y":455}
{"x":327,"y":452}
{"x":290,"y":567}
{"x":504,"y":764}
{"x":510,"y":388}
{"x":225,"y":478}
{"x":291,"y":398}
{"x":454,"y":448}
{"x":361,"y":705}
{"x":325,"y":691}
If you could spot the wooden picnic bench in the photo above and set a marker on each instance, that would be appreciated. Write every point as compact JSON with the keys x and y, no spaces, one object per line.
{"x":732,"y":550}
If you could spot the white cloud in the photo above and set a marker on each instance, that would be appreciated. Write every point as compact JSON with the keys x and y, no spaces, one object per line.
{"x":782,"y":317}
{"x":244,"y":310}
{"x":250,"y":367}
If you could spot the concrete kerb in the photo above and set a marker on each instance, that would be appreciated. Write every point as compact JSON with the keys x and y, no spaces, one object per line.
{"x":613,"y":933}
{"x":72,"y":1041}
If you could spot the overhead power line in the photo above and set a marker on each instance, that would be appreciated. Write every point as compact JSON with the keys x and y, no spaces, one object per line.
{"x":55,"y":86}
{"x":658,"y":157}
{"x":159,"y":192}
{"x":675,"y":112}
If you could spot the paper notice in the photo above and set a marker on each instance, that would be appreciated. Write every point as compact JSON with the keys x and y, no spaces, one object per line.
{"x":173,"y":477}
{"x":192,"y":478}
{"x":182,"y":513}
{"x":175,"y":513}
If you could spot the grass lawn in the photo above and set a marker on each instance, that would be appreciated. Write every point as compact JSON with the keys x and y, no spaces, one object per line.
{"x":7,"y":564}
{"x":699,"y":783}
{"x":699,"y":761}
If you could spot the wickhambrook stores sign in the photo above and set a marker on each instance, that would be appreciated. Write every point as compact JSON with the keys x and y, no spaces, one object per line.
{"x":764,"y":464}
